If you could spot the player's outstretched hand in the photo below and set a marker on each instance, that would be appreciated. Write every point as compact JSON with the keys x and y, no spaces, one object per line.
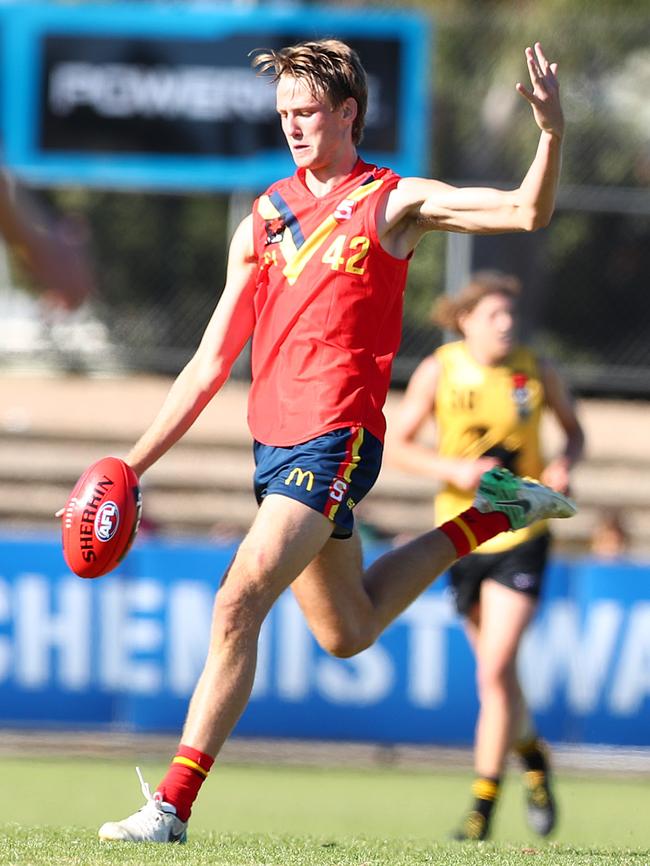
{"x":544,"y":98}
{"x":466,"y":474}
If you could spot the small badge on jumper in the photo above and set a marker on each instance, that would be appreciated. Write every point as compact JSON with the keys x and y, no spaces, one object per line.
{"x":274,"y":230}
{"x":521,"y":394}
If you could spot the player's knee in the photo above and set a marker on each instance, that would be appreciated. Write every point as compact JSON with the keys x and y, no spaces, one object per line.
{"x":344,"y":642}
{"x":251,"y":564}
{"x":239,"y":610}
{"x":492,"y":677}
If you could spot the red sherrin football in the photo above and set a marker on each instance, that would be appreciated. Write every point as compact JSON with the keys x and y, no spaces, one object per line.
{"x":101,"y":517}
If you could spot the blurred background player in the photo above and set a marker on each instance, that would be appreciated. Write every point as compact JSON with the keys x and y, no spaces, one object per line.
{"x":610,"y":539}
{"x":486,"y":393}
{"x":52,"y":247}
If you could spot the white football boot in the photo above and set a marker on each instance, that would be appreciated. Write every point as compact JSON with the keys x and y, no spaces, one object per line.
{"x":156,"y":821}
{"x":522,"y":500}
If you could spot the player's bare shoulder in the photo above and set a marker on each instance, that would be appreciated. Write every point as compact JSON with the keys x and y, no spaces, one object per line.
{"x":242,"y":245}
{"x":400,"y":223}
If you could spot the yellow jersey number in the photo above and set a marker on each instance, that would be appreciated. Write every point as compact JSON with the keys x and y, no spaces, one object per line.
{"x":350,"y":259}
{"x":464,"y":400}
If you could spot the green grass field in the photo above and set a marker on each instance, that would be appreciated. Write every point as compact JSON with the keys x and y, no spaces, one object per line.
{"x":50,"y":810}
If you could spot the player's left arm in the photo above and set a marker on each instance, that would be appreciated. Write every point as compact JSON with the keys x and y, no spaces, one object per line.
{"x":560,"y":402}
{"x":419,"y":205}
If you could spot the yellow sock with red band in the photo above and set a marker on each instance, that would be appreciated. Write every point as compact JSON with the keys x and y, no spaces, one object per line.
{"x":472,"y":528}
{"x":180,"y":787}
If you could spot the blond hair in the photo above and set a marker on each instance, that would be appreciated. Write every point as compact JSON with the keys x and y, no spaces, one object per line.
{"x":330,"y":67}
{"x":449,"y":309}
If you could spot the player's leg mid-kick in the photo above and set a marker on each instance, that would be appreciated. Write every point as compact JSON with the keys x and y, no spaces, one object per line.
{"x":503,"y":502}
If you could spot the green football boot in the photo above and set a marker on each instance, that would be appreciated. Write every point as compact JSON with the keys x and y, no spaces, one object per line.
{"x":522,"y":500}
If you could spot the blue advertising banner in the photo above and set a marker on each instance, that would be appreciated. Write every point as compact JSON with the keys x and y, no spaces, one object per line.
{"x":163,"y":95}
{"x":125,"y":651}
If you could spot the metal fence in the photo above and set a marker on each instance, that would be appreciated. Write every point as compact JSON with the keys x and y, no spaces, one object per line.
{"x":160,"y":259}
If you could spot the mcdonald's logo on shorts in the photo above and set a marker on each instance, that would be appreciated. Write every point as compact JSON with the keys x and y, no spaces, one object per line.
{"x":300,"y":475}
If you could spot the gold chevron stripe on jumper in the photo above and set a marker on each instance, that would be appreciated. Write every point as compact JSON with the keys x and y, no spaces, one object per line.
{"x":317,"y":238}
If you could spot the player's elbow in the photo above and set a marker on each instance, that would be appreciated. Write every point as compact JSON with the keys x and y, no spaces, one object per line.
{"x":533,"y":219}
{"x":540,"y":220}
{"x":210,"y":372}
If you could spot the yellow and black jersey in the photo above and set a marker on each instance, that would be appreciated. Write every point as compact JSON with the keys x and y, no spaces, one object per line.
{"x":488,"y":411}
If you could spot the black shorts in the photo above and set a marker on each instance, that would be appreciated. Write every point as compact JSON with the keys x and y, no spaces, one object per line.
{"x":521,"y":568}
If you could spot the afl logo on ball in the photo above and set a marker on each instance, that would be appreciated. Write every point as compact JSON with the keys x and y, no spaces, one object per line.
{"x":107,"y":521}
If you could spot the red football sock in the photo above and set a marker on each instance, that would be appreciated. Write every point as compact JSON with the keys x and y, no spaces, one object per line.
{"x":187,"y":772}
{"x":472,"y":528}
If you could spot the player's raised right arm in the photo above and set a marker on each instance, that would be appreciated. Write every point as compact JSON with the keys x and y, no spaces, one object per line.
{"x":225,"y":336}
{"x":419,"y":205}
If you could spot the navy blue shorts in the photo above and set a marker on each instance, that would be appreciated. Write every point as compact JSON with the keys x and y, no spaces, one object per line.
{"x":330,"y":474}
